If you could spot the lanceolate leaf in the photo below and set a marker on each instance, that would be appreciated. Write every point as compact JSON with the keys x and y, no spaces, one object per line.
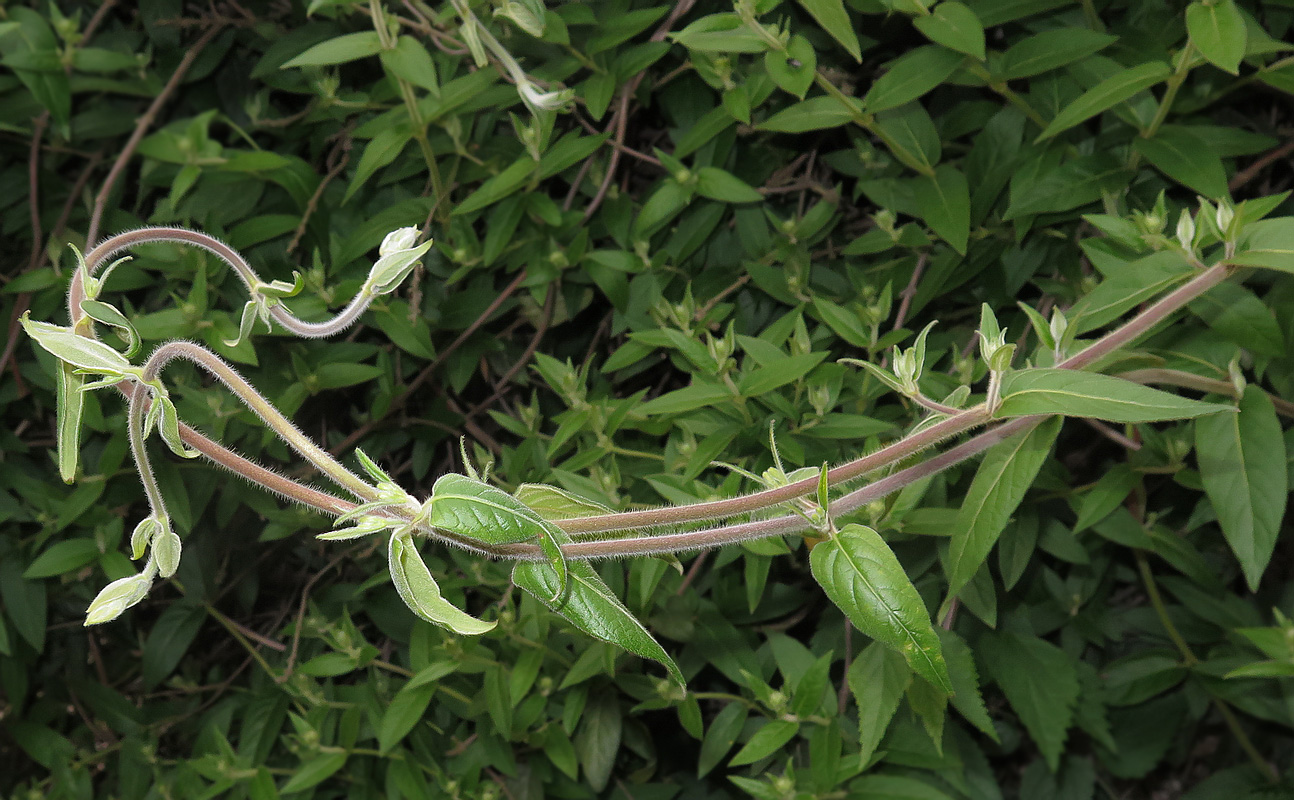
{"x":590,"y":605}
{"x":71,"y":402}
{"x":1000,"y":484}
{"x":1087,"y":394}
{"x":1039,"y":681}
{"x":911,"y":75}
{"x":1107,"y":94}
{"x":877,"y":678}
{"x":79,"y":351}
{"x":1242,"y":464}
{"x":421,"y":593}
{"x":860,"y":574}
{"x":944,"y":202}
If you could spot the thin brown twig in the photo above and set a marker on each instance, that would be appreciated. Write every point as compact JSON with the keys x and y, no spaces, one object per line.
{"x":33,"y":188}
{"x":1252,"y":171}
{"x":910,"y":291}
{"x":501,"y":385}
{"x":141,"y":127}
{"x":341,"y":152}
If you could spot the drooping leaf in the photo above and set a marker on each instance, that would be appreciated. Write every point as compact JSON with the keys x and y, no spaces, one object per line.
{"x":1000,"y":484}
{"x":859,"y":572}
{"x":1075,"y":393}
{"x":421,"y":593}
{"x":1243,"y":468}
{"x":590,"y":605}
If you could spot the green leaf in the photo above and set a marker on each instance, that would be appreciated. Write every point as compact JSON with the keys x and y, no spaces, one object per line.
{"x":1107,"y":94}
{"x":62,"y":557}
{"x":878,"y":677}
{"x":553,"y":503}
{"x":71,"y":404}
{"x":411,"y":61}
{"x":1268,"y":243}
{"x":954,"y":25}
{"x":109,"y":315}
{"x":1067,"y":186}
{"x":478,"y":511}
{"x":966,"y":694}
{"x":896,"y":787}
{"x":860,"y":574}
{"x":314,"y":772}
{"x":1187,"y":158}
{"x":720,"y":737}
{"x":498,"y":187}
{"x":943,"y":201}
{"x":169,"y":640}
{"x":349,"y":47}
{"x":834,"y":19}
{"x":1243,"y":467}
{"x":1004,"y":476}
{"x":762,"y":380}
{"x":1126,"y":287}
{"x":767,"y":740}
{"x":721,"y":185}
{"x":910,"y":76}
{"x":1039,"y":681}
{"x":663,"y":205}
{"x":793,"y":70}
{"x":1218,"y":31}
{"x":406,"y":710}
{"x":813,"y":114}
{"x":381,"y":150}
{"x":91,"y":355}
{"x":1087,"y":394}
{"x":698,"y":395}
{"x":598,"y":739}
{"x":421,"y":593}
{"x":910,"y":134}
{"x":1049,"y":50}
{"x":591,"y":606}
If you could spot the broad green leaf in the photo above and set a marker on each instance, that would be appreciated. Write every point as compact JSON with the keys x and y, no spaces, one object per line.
{"x":773,"y":375}
{"x":498,"y":187}
{"x":71,"y":404}
{"x":878,"y":677}
{"x":793,"y":70}
{"x":478,"y":511}
{"x":767,"y":740}
{"x":339,"y":50}
{"x":314,"y":772}
{"x":381,"y":150}
{"x":598,"y":739}
{"x":813,"y":114}
{"x":1218,"y":31}
{"x":860,"y":574}
{"x":910,"y":76}
{"x":411,"y":61}
{"x":1072,"y":184}
{"x":954,"y":25}
{"x":944,"y":202}
{"x":834,"y":19}
{"x":590,"y":605}
{"x":553,"y":503}
{"x":62,"y":557}
{"x":1075,"y":393}
{"x":721,"y":185}
{"x":421,"y":593}
{"x":1126,"y":287}
{"x":698,"y":395}
{"x":1239,"y":315}
{"x":888,"y":786}
{"x":1039,"y":681}
{"x":720,"y":737}
{"x":1267,"y":243}
{"x":1000,"y":483}
{"x":663,"y":205}
{"x":1242,"y":465}
{"x":1049,"y":50}
{"x":1187,"y":158}
{"x":1107,"y":94}
{"x":169,"y":640}
{"x":910,"y":134}
{"x":91,"y":355}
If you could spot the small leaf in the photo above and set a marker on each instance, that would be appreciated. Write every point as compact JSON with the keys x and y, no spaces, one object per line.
{"x":954,"y":25}
{"x":1242,"y":463}
{"x":71,"y":404}
{"x":109,"y":315}
{"x":1074,"y":183}
{"x":169,"y":428}
{"x":878,"y":677}
{"x":1087,"y":394}
{"x":813,"y":114}
{"x":338,"y":50}
{"x":767,"y":740}
{"x":1187,"y":158}
{"x":1218,"y":31}
{"x":598,"y":739}
{"x":166,"y":549}
{"x":1049,"y":50}
{"x":411,"y":61}
{"x":592,"y":607}
{"x":421,"y":593}
{"x":999,"y":485}
{"x":1107,"y":94}
{"x":718,"y":184}
{"x":860,"y":574}
{"x":720,"y":737}
{"x":793,"y":70}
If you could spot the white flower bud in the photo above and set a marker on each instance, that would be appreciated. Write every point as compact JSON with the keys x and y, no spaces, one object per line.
{"x":1224,"y":216}
{"x":397,"y":240}
{"x":1186,"y":230}
{"x":118,"y":596}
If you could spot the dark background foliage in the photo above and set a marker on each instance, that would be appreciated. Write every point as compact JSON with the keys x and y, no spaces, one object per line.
{"x":619,"y":295}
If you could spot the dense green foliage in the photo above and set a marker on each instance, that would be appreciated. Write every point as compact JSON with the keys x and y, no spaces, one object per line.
{"x":622,"y":293}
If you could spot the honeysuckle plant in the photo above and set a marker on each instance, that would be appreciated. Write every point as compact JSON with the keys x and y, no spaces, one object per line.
{"x":553,"y":535}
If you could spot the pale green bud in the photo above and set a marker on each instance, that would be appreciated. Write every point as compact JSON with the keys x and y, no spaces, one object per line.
{"x":118,"y":596}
